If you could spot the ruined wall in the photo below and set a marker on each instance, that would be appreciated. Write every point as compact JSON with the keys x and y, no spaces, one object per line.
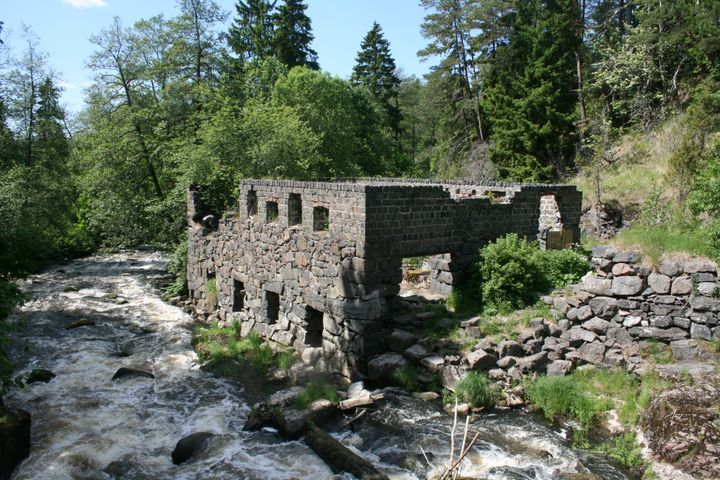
{"x":317,"y":265}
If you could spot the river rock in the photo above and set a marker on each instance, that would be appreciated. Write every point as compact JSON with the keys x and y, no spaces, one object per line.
{"x":190,"y":446}
{"x":83,"y":322}
{"x":123,"y":372}
{"x":682,"y":426}
{"x":39,"y":375}
{"x":480,"y":360}
{"x":384,"y":366}
{"x":416,"y":352}
{"x":14,"y":439}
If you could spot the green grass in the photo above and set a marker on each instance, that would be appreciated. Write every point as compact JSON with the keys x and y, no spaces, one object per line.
{"x":583,"y":395}
{"x":316,"y":389}
{"x":625,"y":450}
{"x":407,"y":378}
{"x":654,"y":241}
{"x":477,"y":390}
{"x":216,"y":344}
{"x":657,"y":352}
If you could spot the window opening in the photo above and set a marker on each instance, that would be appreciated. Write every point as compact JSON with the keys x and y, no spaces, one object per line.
{"x":238,"y":296}
{"x":321,"y":219}
{"x":294,"y":209}
{"x":273,"y":307}
{"x":271,"y":212}
{"x":314,"y":330}
{"x":252,"y":203}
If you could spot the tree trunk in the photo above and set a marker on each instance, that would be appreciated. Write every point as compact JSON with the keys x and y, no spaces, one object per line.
{"x":340,"y":458}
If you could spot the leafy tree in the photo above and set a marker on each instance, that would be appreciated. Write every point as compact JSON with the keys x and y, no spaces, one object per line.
{"x":292,"y":36}
{"x":197,"y":45}
{"x":344,"y":118}
{"x":375,"y":69}
{"x":530,"y":97}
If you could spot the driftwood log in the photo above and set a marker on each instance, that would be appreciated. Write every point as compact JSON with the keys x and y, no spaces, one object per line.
{"x":340,"y":458}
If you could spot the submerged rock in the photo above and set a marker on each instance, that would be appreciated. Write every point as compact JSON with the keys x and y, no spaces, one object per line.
{"x":83,"y":322}
{"x":189,"y":446}
{"x":39,"y":375}
{"x":123,"y":372}
{"x":14,"y":439}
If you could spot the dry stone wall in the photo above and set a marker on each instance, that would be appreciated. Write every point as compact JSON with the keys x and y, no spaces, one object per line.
{"x":608,"y":318}
{"x":317,"y":265}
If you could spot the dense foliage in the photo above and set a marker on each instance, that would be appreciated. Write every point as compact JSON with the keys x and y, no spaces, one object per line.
{"x":518,"y":90}
{"x":511,"y":272}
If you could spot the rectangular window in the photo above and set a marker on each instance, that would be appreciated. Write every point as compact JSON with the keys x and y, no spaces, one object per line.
{"x":321,"y":219}
{"x":273,"y":307}
{"x":271,"y":212}
{"x":314,"y":330}
{"x":252,"y":203}
{"x":238,"y":296}
{"x":294,"y":209}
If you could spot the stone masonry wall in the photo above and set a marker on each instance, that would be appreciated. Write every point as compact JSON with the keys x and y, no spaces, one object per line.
{"x":606,"y":320}
{"x":317,"y":265}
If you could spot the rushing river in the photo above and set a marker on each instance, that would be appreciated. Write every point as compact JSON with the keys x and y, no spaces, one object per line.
{"x":87,"y":426}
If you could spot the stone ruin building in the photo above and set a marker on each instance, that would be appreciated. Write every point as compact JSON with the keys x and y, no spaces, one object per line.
{"x":317,"y":265}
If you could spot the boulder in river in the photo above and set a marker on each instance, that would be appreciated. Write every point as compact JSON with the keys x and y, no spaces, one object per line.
{"x":83,"y":322}
{"x":14,"y":439}
{"x":39,"y":375}
{"x":189,"y":446}
{"x":123,"y":372}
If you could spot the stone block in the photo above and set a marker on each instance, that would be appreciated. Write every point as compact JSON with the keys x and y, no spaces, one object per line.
{"x":596,"y":285}
{"x":604,"y":307}
{"x":659,"y":283}
{"x":480,"y":360}
{"x":626,"y":256}
{"x":670,"y":268}
{"x":627,"y":286}
{"x":602,"y":251}
{"x":682,"y":286}
{"x":700,"y":332}
{"x":597,"y":325}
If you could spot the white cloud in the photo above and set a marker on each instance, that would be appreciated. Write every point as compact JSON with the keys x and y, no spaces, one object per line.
{"x":86,"y":3}
{"x":67,"y":85}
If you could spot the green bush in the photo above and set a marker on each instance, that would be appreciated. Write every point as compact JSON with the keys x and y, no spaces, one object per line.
{"x":513,"y":271}
{"x":177,"y":267}
{"x":562,"y":267}
{"x":476,"y":390}
{"x":509,"y":272}
{"x":624,"y":449}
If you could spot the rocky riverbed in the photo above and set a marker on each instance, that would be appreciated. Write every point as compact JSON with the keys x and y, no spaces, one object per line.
{"x":92,"y":317}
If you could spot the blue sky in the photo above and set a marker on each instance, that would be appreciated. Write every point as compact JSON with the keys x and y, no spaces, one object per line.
{"x":64,"y":27}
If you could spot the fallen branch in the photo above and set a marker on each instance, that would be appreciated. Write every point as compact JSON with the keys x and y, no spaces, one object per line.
{"x":361,"y":401}
{"x":340,"y":458}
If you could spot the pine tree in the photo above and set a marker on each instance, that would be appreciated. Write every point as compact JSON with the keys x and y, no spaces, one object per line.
{"x":375,"y":69}
{"x":293,"y":35}
{"x":251,"y":34}
{"x":530,"y":96}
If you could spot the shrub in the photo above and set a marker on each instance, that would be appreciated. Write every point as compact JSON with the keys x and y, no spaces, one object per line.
{"x":177,"y":267}
{"x":512,"y":271}
{"x":509,"y":272}
{"x":562,"y":267}
{"x":476,"y":390}
{"x":625,"y":450}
